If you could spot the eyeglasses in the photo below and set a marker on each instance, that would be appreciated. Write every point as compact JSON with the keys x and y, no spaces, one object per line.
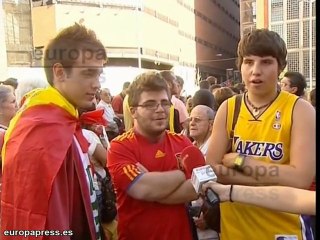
{"x":154,"y":105}
{"x":197,"y":119}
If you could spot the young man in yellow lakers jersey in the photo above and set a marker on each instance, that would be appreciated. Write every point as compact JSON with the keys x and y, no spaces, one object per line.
{"x":273,"y":143}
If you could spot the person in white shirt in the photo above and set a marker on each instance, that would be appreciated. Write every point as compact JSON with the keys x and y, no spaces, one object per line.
{"x":109,"y":114}
{"x":200,"y":126}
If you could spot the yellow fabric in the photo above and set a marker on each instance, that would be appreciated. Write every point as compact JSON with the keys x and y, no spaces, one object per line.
{"x":110,"y":230}
{"x":266,"y":139}
{"x":127,"y":117}
{"x":171,"y":119}
{"x":37,"y":97}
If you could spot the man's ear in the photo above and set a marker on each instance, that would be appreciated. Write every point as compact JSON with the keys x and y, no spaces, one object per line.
{"x":211,"y":125}
{"x":133,"y":111}
{"x":58,"y":72}
{"x":294,"y":90}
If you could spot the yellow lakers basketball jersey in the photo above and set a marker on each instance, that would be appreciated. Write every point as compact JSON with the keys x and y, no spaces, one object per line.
{"x":266,"y":138}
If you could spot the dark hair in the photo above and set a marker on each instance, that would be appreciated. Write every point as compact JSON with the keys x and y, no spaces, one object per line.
{"x":235,"y":90}
{"x":222,"y":94}
{"x":13,"y":82}
{"x":145,"y":82}
{"x":297,"y":80}
{"x":169,"y":77}
{"x":204,"y":84}
{"x":70,"y":44}
{"x":214,"y":86}
{"x":179,"y":80}
{"x":313,"y":97}
{"x":262,"y":42}
{"x":212,"y":80}
{"x":241,"y":87}
{"x":204,"y":97}
{"x":5,"y":90}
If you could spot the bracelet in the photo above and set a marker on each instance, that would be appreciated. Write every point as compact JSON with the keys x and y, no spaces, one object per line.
{"x":230,"y":193}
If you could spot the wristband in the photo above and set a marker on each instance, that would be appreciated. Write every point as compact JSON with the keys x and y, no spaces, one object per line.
{"x":230,"y":193}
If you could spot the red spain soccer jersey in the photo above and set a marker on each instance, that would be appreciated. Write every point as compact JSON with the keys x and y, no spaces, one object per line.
{"x":142,"y":219}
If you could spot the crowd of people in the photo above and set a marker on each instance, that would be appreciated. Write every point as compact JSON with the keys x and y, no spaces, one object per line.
{"x":78,"y":163}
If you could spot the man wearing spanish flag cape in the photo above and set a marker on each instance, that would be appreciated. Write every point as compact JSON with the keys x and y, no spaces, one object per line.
{"x":47,"y":181}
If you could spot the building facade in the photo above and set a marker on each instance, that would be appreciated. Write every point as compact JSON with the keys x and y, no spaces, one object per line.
{"x":217,"y":32}
{"x":195,"y":38}
{"x":294,"y":21}
{"x":15,"y":35}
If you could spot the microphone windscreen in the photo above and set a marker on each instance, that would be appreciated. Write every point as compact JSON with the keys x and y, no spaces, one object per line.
{"x":192,"y":158}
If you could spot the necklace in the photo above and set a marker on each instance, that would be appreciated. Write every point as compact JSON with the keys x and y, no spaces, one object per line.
{"x":256,"y":110}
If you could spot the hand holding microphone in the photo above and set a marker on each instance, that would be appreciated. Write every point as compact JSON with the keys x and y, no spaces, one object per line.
{"x":224,"y":191}
{"x":194,"y":165}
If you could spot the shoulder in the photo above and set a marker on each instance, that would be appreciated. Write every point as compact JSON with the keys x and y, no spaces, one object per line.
{"x":178,"y":137}
{"x":48,"y":123}
{"x":126,"y":136}
{"x":125,"y":140}
{"x":303,"y":108}
{"x":117,"y":98}
{"x":49,"y":114}
{"x":287,"y":97}
{"x":40,"y":134}
{"x":100,"y":104}
{"x":90,"y":136}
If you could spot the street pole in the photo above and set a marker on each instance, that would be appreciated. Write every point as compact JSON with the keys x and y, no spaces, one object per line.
{"x":310,"y":46}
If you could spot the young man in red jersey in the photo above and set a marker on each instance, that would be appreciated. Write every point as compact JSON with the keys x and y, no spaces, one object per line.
{"x":151,"y":204}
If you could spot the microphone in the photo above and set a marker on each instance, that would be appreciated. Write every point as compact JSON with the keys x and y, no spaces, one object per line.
{"x":194,"y":166}
{"x":191,"y":158}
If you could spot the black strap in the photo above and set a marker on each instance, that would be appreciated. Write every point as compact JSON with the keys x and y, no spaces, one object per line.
{"x":237,"y":107}
{"x":236,"y":114}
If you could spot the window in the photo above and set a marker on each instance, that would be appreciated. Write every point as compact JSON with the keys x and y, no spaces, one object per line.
{"x":313,"y":33}
{"x":276,"y":10}
{"x":306,"y":64}
{"x":278,"y":28}
{"x":305,"y":9}
{"x":305,"y":30}
{"x":293,"y":35}
{"x":12,"y":29}
{"x":293,"y":9}
{"x":293,"y":61}
{"x":314,"y":55}
{"x":306,"y":61}
{"x":313,"y":8}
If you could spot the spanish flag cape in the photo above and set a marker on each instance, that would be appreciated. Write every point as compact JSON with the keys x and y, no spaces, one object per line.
{"x":44,"y":181}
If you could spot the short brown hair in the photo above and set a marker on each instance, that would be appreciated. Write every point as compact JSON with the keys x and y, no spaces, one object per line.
{"x":222,"y":94}
{"x":66,"y":47}
{"x":169,"y":77}
{"x":262,"y":42}
{"x":145,"y":82}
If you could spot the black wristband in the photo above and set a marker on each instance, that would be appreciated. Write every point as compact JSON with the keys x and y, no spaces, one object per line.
{"x":230,"y":193}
